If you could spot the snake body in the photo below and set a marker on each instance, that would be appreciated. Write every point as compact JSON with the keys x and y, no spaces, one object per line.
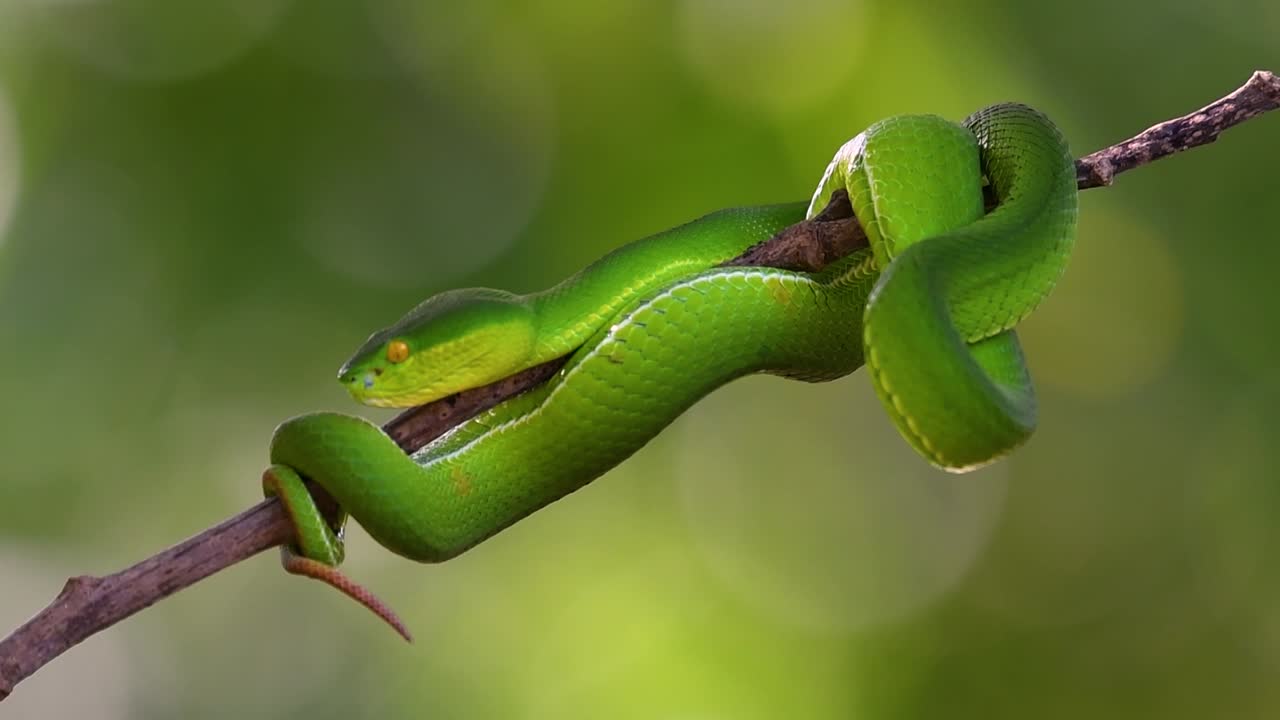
{"x":656,"y":325}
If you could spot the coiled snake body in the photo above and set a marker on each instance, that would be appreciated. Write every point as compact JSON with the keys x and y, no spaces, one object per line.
{"x":653,"y":327}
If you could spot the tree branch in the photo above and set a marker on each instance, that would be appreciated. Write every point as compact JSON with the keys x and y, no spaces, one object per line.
{"x":88,"y":604}
{"x":1259,"y":95}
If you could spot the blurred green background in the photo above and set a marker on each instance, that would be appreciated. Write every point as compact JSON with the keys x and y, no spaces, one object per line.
{"x":204,"y":207}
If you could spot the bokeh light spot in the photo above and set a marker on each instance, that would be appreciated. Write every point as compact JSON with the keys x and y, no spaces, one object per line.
{"x":768,"y":55}
{"x":428,"y":35}
{"x":678,"y":645}
{"x":1114,"y":320}
{"x":149,"y":41}
{"x":447,"y":187}
{"x":921,"y":47}
{"x":815,"y":511}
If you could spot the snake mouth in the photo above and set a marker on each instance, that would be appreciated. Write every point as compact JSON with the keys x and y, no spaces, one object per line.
{"x":365,"y":388}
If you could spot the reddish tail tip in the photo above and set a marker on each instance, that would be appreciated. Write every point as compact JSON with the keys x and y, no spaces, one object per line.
{"x":336,"y":579}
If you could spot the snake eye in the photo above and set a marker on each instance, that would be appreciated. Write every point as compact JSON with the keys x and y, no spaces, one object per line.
{"x":397,"y":351}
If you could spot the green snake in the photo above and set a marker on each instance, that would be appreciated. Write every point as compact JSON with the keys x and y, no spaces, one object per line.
{"x":654,"y":326}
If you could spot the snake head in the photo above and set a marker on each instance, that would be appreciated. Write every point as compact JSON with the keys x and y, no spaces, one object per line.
{"x":451,"y":342}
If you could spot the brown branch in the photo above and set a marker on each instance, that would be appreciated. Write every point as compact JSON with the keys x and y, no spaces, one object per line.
{"x":811,"y":245}
{"x":1259,"y":95}
{"x":88,"y":604}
